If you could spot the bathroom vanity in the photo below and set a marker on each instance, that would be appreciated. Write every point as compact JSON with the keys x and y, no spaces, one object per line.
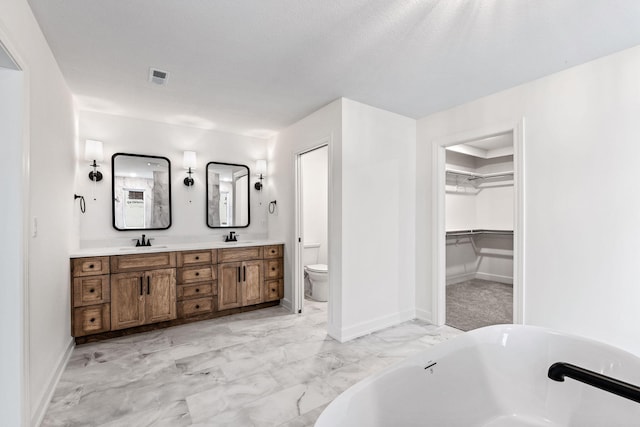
{"x":122,"y":291}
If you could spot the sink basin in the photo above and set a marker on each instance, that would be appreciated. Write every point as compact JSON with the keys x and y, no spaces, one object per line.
{"x":143,"y":248}
{"x":238,"y":242}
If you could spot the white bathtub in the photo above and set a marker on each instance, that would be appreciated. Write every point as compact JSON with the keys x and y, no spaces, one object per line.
{"x":494,"y":376}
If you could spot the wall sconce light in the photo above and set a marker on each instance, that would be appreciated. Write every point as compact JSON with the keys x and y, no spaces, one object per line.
{"x":93,"y":151}
{"x":261,"y":171}
{"x":189,"y":162}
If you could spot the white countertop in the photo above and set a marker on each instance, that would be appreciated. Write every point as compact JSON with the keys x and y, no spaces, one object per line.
{"x":171,"y":247}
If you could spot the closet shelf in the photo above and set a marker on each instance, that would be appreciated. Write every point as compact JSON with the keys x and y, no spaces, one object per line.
{"x":457,"y":233}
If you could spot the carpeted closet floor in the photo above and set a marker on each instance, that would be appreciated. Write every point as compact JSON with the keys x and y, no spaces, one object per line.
{"x":477,"y":303}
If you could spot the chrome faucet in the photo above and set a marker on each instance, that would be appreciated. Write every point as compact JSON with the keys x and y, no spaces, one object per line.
{"x":232,"y":237}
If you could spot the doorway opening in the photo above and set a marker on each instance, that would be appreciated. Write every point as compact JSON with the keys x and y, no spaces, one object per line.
{"x":312,"y":254}
{"x":478,"y":224}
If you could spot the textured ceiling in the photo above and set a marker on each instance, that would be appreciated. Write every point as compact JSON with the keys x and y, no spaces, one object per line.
{"x":255,"y":66}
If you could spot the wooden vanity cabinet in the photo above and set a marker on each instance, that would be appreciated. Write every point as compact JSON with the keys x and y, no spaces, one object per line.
{"x":90,"y":296}
{"x":240,"y":282}
{"x":273,"y":289}
{"x":197,"y":283}
{"x":141,"y":298}
{"x":121,"y":294}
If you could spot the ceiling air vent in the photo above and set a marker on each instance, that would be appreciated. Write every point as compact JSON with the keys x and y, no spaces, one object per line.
{"x":158,"y":77}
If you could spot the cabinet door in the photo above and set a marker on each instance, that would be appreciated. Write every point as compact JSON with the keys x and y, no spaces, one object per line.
{"x":160,"y":294}
{"x":229,"y":289}
{"x":127,"y":300}
{"x":252,"y":282}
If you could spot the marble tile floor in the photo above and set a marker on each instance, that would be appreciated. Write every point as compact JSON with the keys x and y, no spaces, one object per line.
{"x":262,"y":368}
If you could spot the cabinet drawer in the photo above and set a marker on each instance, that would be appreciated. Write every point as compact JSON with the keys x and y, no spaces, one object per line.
{"x":273,"y":251}
{"x":91,"y":319}
{"x":139,"y":262}
{"x":239,"y":254}
{"x":90,"y":266}
{"x":91,"y":290}
{"x":193,"y":307}
{"x":196,"y":274}
{"x":273,"y":290}
{"x":198,"y":289}
{"x":186,"y":259}
{"x":273,"y":268}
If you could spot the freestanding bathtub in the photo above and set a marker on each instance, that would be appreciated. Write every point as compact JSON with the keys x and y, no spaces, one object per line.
{"x":493,"y":376}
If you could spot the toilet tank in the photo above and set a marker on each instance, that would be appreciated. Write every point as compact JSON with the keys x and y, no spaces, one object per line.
{"x":310,"y":253}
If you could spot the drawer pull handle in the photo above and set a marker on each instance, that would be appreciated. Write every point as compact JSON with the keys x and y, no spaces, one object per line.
{"x":92,"y":290}
{"x":273,"y":290}
{"x":197,"y":273}
{"x":197,"y":289}
{"x":197,"y":258}
{"x":93,"y":319}
{"x":90,"y":265}
{"x":197,"y":306}
{"x":273,"y":269}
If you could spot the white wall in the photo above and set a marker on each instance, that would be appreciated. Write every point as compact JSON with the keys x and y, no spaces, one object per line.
{"x":51,"y":151}
{"x":580,"y":156}
{"x":321,"y":127}
{"x":188,"y":204}
{"x":378,"y":211}
{"x":315,"y":185}
{"x":371,"y":212}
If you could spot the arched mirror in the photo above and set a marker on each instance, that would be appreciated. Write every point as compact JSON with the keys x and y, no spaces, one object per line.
{"x":227,"y":195}
{"x":141,"y":190}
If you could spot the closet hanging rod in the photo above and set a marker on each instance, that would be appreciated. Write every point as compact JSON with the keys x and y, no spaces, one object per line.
{"x":472,"y":175}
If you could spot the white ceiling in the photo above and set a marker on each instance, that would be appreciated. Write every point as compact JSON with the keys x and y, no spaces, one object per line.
{"x":255,"y":66}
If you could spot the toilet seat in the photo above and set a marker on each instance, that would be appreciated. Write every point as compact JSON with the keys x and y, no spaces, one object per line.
{"x":317,"y":268}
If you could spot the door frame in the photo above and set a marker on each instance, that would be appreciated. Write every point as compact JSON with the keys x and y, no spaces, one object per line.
{"x":438,"y":305}
{"x":298,"y":281}
{"x":21,"y":268}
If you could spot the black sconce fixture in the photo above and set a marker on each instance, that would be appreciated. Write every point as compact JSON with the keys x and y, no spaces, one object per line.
{"x":93,"y":151}
{"x":189,"y":162}
{"x":261,"y":170}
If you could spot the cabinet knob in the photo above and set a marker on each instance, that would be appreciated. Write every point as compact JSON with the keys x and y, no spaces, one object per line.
{"x":273,"y":269}
{"x":197,"y":273}
{"x":92,"y":290}
{"x":197,"y":289}
{"x":90,"y":265}
{"x":197,"y":258}
{"x":197,"y":306}
{"x":93,"y":319}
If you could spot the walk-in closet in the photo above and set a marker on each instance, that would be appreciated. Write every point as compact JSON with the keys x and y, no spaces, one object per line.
{"x":479,"y":220}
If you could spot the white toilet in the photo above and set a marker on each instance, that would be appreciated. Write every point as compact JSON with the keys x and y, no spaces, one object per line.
{"x":318,"y":275}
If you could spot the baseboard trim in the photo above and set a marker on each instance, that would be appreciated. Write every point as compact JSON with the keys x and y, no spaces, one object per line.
{"x":495,"y":278}
{"x":287,"y":304}
{"x":459,"y":278}
{"x":365,"y":328}
{"x":425,"y":315}
{"x":43,"y":404}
